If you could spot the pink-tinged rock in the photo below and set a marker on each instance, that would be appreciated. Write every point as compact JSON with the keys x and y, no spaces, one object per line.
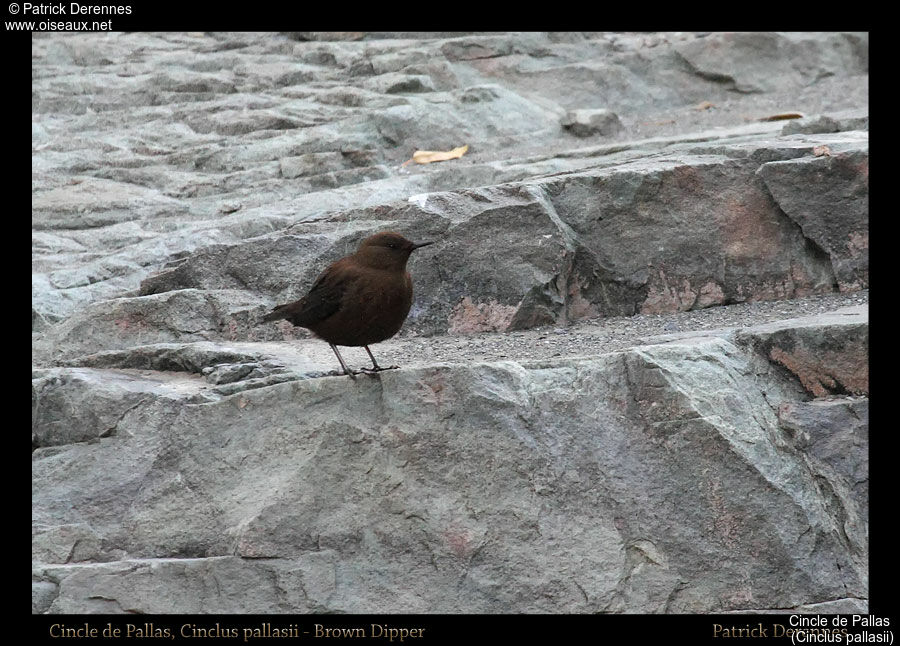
{"x":828,"y":198}
{"x":469,"y":318}
{"x":828,"y":354}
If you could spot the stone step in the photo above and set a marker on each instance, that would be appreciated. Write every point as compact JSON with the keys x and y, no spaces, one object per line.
{"x":508,"y":475}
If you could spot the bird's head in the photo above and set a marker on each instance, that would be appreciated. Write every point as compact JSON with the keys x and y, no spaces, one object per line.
{"x":387,"y":250}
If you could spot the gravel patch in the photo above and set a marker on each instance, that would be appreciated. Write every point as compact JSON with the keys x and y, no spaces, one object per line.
{"x":583,"y":338}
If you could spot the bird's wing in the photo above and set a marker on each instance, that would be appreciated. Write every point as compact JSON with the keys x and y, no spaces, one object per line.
{"x":323,"y":300}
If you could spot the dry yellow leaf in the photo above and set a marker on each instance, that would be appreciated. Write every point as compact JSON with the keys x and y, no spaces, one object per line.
{"x":428,"y":156}
{"x":784,"y":115}
{"x":706,"y":105}
{"x":818,"y":151}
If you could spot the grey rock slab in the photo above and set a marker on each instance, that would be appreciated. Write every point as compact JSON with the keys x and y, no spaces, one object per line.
{"x":259,"y":264}
{"x":198,"y":358}
{"x":174,"y":316}
{"x":833,"y":212}
{"x":65,"y":544}
{"x":43,"y":592}
{"x":834,"y":432}
{"x":585,"y":123}
{"x":783,"y":148}
{"x":445,"y":121}
{"x":760,"y":62}
{"x":827,"y":355}
{"x":76,"y":405}
{"x":639,"y":246}
{"x":226,"y":585}
{"x":569,"y":256}
{"x":398,"y":83}
{"x":620,"y":248}
{"x":628,"y":87}
{"x":63,"y":283}
{"x":833,"y":122}
{"x":431,"y":488}
{"x":91,"y":202}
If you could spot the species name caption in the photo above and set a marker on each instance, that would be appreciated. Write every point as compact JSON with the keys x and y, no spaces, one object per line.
{"x":380,"y":632}
{"x":814,"y":629}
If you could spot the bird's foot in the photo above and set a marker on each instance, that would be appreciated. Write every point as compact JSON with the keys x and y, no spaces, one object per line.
{"x":377,"y":369}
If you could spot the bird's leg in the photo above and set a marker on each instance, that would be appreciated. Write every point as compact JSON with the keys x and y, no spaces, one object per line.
{"x":347,"y":370}
{"x":376,"y":367}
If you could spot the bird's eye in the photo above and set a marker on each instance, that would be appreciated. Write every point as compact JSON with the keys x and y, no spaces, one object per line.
{"x":392,"y":245}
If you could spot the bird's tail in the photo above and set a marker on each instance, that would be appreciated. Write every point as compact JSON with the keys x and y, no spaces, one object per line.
{"x":274,"y":315}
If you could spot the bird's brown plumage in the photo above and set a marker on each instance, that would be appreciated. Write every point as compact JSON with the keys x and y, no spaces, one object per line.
{"x":361,"y":299}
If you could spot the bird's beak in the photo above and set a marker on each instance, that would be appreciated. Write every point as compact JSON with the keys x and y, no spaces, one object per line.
{"x":416,"y":245}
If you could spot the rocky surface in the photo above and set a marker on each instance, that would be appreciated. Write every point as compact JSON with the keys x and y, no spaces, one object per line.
{"x":635,"y":375}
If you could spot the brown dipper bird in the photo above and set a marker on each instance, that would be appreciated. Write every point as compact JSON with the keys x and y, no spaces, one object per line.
{"x":358,"y":300}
